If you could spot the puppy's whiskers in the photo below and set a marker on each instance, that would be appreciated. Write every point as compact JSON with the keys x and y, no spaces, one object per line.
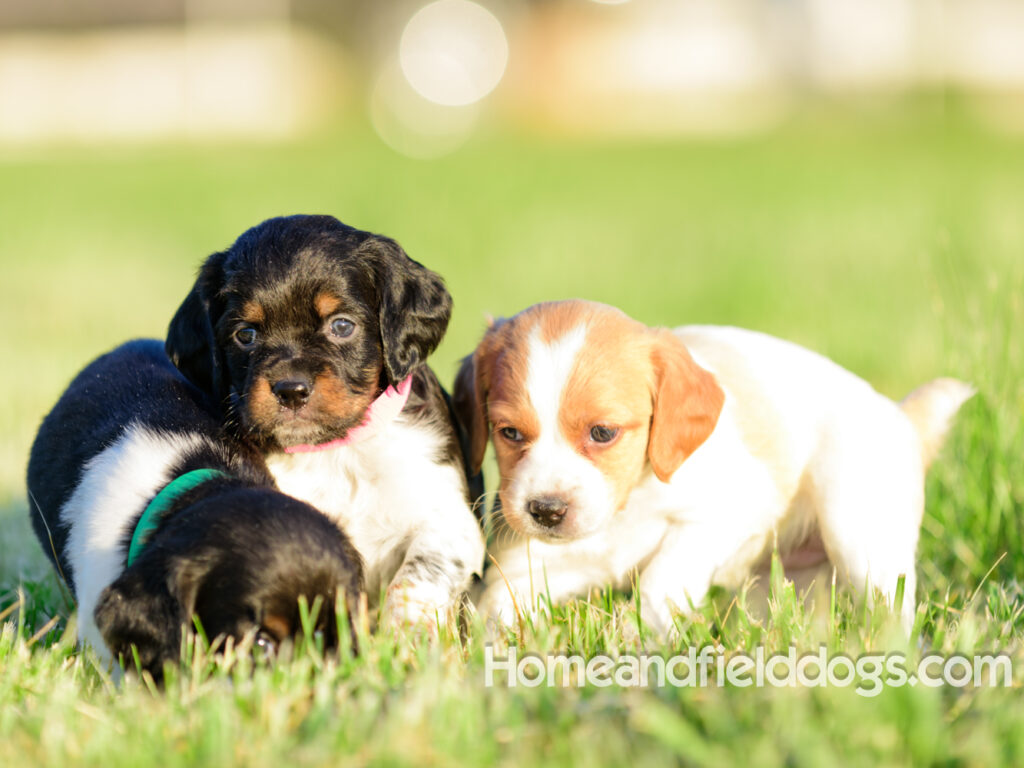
{"x":499,"y":530}
{"x":480,"y":506}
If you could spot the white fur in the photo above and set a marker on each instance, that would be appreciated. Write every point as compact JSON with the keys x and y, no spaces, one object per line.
{"x":552,"y":467}
{"x":801,"y":445}
{"x":116,"y":485}
{"x":394,"y":501}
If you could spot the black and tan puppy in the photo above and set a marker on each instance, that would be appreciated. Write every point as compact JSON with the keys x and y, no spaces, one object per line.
{"x":310,"y":338}
{"x":152,"y":515}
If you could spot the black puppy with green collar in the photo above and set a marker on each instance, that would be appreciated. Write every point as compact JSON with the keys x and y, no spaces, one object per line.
{"x":153,"y":515}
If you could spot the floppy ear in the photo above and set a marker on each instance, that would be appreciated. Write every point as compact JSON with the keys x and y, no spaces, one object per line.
{"x":135,"y":612}
{"x":687,"y":403}
{"x":468,"y":402}
{"x":414,"y":307}
{"x":472,"y":385}
{"x":144,"y":610}
{"x":190,"y":341}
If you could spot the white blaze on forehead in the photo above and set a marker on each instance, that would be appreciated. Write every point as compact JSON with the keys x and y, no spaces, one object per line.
{"x":549,"y":366}
{"x":551,"y":465}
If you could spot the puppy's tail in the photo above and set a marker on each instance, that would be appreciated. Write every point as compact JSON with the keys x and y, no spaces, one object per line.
{"x":931,"y":408}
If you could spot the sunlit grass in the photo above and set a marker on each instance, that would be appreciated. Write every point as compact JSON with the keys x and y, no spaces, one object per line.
{"x":407,"y":700}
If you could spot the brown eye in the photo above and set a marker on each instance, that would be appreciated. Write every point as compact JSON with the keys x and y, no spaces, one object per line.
{"x":342,"y":327}
{"x":603,"y":434}
{"x":511,"y":434}
{"x":246,"y":336}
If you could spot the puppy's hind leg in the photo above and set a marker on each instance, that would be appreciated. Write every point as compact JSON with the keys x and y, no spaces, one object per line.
{"x":870,"y":502}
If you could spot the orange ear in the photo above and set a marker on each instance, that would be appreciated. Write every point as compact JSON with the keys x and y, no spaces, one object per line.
{"x":687,"y":403}
{"x":469,"y":403}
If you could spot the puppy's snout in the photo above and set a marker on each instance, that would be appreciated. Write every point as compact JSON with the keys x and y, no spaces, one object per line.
{"x":549,"y":511}
{"x":292,"y":393}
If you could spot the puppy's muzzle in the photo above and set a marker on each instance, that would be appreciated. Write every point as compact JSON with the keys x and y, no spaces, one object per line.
{"x":549,"y":511}
{"x":292,"y":393}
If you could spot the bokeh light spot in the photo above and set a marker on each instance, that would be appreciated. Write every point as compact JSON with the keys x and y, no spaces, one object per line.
{"x":413,"y":126}
{"x":453,"y":52}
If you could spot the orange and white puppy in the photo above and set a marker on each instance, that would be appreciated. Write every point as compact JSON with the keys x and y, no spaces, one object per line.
{"x":684,"y":456}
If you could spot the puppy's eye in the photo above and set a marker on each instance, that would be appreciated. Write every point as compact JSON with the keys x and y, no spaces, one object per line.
{"x":246,"y":336}
{"x":342,"y":327}
{"x":265,"y":643}
{"x":511,"y":434}
{"x":603,"y":434}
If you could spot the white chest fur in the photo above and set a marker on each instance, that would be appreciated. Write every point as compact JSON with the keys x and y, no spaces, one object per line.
{"x":383,"y":492}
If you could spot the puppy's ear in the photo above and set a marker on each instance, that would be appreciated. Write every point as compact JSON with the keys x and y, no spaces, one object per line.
{"x":414,"y":307}
{"x":687,"y":403}
{"x":138,"y":612}
{"x":469,"y":395}
{"x":470,"y":411}
{"x":190,"y":341}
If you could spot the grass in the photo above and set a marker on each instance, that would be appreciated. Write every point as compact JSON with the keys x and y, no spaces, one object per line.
{"x":891,"y":243}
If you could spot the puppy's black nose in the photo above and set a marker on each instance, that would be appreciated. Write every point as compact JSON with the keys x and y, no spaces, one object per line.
{"x":291,"y":393}
{"x":547,"y":510}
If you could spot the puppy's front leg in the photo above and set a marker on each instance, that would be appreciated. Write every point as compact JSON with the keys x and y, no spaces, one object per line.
{"x":681,"y":571}
{"x":523,"y":578}
{"x":439,"y":563}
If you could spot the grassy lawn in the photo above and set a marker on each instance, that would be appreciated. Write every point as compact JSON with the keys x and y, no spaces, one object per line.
{"x":893,"y":244}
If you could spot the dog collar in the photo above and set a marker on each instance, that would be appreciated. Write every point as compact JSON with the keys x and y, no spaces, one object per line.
{"x":155,"y":510}
{"x":381,"y":412}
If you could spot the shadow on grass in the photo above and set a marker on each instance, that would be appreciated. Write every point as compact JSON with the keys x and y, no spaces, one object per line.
{"x":28,"y":583}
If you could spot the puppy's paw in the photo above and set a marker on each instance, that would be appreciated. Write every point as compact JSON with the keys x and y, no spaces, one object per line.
{"x":414,"y":605}
{"x":500,"y":608}
{"x":658,"y":617}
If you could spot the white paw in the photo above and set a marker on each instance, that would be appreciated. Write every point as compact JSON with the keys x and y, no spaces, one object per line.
{"x":499,"y":608}
{"x":410,"y":605}
{"x":658,"y":615}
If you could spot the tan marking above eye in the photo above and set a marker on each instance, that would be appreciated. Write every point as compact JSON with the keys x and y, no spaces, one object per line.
{"x":277,"y":625}
{"x":253,"y":313}
{"x":326,"y":304}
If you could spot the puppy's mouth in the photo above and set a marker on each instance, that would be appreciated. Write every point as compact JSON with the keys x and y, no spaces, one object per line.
{"x":288,"y":429}
{"x":296,"y":428}
{"x":322,"y":417}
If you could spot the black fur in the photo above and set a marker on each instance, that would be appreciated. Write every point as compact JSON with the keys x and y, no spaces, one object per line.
{"x":135,"y":383}
{"x":233,"y":550}
{"x":400,"y":310}
{"x":238,"y":558}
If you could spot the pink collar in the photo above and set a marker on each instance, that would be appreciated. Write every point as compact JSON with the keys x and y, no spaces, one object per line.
{"x":381,"y":412}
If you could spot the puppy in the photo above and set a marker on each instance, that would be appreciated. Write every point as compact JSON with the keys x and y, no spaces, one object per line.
{"x":310,"y":337}
{"x":151,"y":516}
{"x":686,"y":456}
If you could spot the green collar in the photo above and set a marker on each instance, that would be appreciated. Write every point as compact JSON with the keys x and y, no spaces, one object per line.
{"x":155,"y":510}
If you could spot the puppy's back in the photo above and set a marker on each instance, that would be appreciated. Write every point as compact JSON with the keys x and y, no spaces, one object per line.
{"x":133,"y":384}
{"x":787,"y":399}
